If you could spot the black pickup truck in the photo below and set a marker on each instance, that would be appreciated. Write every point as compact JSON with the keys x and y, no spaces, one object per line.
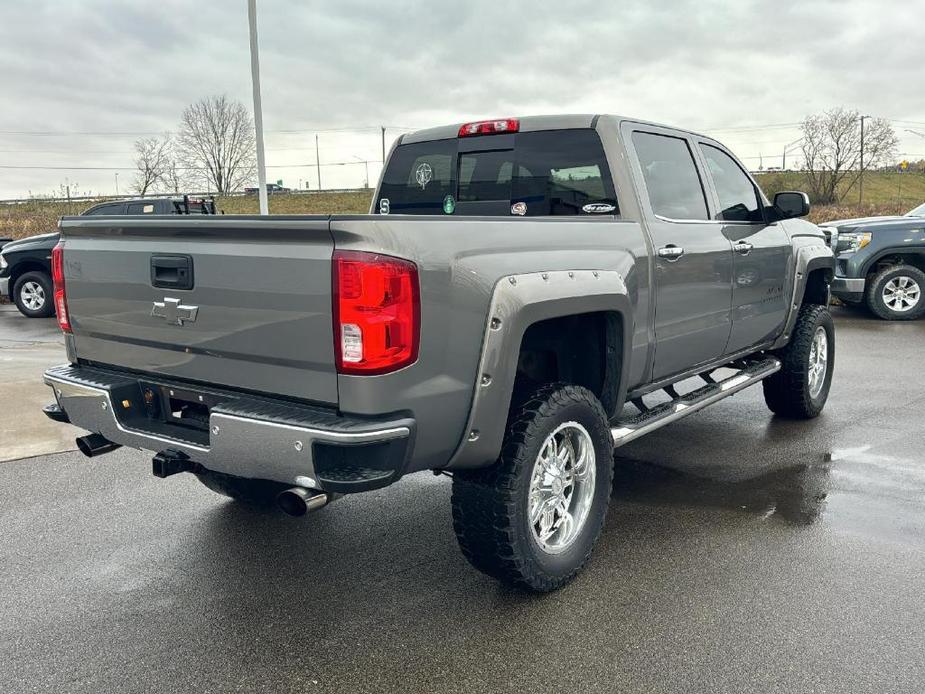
{"x":25,"y":265}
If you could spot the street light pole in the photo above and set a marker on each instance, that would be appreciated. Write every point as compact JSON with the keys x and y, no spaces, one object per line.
{"x":258,"y":111}
{"x":318,"y":161}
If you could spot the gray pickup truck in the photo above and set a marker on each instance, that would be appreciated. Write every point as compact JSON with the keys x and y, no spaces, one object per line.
{"x":524,"y":296}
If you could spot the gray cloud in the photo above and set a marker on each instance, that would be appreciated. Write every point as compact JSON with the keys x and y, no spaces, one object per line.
{"x":132,"y":66}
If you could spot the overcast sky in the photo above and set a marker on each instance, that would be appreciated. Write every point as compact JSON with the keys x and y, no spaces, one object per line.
{"x":128,"y":68}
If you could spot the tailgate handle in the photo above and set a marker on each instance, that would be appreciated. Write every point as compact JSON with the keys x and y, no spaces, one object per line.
{"x":172,"y":271}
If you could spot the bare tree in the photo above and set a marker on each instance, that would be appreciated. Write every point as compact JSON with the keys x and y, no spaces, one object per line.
{"x":216,"y":141}
{"x":152,"y":158}
{"x":176,"y":177}
{"x":832,"y":151}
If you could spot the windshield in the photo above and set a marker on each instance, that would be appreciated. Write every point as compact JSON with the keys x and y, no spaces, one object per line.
{"x":554,"y":172}
{"x":917,"y":212}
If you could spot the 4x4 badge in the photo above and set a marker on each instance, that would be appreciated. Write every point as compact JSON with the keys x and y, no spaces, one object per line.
{"x":174,"y":312}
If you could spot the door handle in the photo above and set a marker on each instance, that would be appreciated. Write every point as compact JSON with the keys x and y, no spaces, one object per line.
{"x":671,"y":253}
{"x":742,"y":247}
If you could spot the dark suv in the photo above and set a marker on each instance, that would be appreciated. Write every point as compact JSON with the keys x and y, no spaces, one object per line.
{"x":25,"y":265}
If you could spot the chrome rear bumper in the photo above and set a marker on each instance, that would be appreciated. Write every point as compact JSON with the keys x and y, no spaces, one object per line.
{"x":247,"y":436}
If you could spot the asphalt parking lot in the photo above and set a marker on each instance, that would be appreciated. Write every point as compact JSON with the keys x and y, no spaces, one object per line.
{"x":741,"y":554}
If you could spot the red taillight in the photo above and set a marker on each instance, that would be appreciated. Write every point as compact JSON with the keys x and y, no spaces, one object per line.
{"x":377,"y":312}
{"x":57,"y":276}
{"x":490,"y":127}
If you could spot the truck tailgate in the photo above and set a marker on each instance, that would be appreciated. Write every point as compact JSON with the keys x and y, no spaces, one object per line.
{"x":257,"y":316}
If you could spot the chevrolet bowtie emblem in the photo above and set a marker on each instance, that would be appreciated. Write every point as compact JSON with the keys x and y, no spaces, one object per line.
{"x":174,"y":312}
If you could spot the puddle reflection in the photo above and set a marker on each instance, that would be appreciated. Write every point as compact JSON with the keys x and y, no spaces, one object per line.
{"x":794,"y":494}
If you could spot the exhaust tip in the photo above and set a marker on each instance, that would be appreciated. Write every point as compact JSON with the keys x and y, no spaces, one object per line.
{"x":299,"y":501}
{"x":95,"y":444}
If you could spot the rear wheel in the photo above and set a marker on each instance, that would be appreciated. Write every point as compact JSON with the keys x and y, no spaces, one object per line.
{"x":33,"y":295}
{"x":895,"y":293}
{"x":533,"y":517}
{"x":801,"y":387}
{"x":261,"y":493}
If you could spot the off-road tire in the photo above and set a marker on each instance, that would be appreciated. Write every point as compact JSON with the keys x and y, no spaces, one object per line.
{"x":787,"y":392}
{"x":259,"y":493}
{"x":490,"y":505}
{"x":874,"y":293}
{"x":44,"y":281}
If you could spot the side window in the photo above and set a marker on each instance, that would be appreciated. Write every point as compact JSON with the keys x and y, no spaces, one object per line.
{"x":671,"y":177}
{"x":140,"y":208}
{"x":738,"y":198}
{"x":106,"y":209}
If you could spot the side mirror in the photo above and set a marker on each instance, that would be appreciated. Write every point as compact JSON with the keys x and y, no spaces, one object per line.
{"x":790,"y":204}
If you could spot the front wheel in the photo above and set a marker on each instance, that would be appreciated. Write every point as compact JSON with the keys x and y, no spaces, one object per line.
{"x":33,"y":295}
{"x":532,"y":518}
{"x":801,"y":387}
{"x":895,"y":293}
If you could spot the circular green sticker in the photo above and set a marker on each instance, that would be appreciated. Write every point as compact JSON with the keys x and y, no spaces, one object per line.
{"x":449,"y":204}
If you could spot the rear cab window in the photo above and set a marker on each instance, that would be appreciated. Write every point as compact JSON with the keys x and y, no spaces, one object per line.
{"x":543,"y":173}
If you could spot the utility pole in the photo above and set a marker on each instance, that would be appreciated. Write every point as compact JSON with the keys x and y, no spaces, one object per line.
{"x":383,"y":145}
{"x":783,"y":161}
{"x":318,"y":161}
{"x":861,"y":177}
{"x":258,"y":111}
{"x":366,"y":166}
{"x":117,"y":182}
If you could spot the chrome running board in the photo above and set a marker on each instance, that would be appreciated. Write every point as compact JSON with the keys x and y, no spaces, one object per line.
{"x":749,"y":372}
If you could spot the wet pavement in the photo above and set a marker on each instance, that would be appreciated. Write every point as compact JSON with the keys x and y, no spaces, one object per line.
{"x":741,"y":554}
{"x":28,"y":346}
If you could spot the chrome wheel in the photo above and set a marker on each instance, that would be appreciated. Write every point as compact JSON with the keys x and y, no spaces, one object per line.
{"x":818,"y":361}
{"x":901,"y":294}
{"x":33,"y":296}
{"x":562,"y":487}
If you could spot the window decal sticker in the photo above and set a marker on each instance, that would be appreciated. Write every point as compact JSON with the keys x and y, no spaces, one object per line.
{"x":449,"y":205}
{"x":424,"y":175}
{"x":519,"y":208}
{"x":384,"y":206}
{"x":599,"y":208}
